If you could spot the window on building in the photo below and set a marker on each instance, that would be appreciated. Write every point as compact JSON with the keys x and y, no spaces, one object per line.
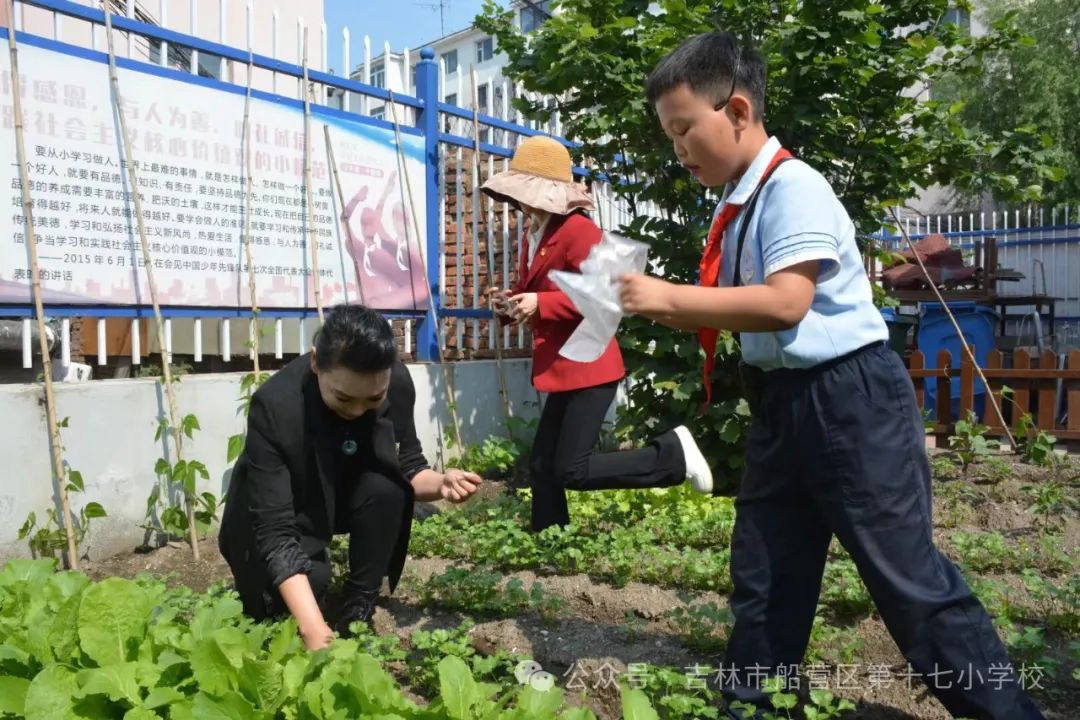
{"x":378,"y":76}
{"x":449,"y":120}
{"x":335,"y":98}
{"x":379,"y":113}
{"x":450,"y":61}
{"x":179,"y":57}
{"x":534,"y":14}
{"x":154,"y":50}
{"x":210,"y":66}
{"x":959,"y":17}
{"x":485,"y":50}
{"x":482,"y":98}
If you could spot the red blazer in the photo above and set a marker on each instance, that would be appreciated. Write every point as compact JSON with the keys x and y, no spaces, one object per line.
{"x":566,"y":243}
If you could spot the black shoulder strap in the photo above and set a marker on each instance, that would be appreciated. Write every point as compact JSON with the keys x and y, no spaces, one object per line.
{"x":748,"y":214}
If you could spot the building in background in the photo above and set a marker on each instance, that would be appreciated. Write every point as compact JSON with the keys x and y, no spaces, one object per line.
{"x":458,"y":54}
{"x":277,"y":30}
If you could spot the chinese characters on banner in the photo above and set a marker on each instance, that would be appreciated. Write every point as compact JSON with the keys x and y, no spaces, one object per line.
{"x":187,"y":145}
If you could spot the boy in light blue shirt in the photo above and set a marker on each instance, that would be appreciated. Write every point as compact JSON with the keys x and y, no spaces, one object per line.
{"x":842,"y":317}
{"x":836,"y":446}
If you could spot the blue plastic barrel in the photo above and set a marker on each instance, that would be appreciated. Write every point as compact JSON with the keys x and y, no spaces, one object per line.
{"x":899,"y":327}
{"x":977,"y":323}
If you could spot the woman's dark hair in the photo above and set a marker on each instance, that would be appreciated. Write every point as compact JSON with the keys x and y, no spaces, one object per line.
{"x":357,"y":338}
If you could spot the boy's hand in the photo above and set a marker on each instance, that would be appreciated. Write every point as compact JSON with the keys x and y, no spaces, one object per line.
{"x":644,"y":295}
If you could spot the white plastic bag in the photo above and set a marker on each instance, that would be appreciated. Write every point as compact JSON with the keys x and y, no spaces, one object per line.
{"x":595,"y":293}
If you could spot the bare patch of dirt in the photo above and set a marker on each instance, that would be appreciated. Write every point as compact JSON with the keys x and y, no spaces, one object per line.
{"x":174,"y":563}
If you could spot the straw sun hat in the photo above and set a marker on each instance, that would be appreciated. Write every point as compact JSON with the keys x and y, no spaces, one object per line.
{"x":540,"y":176}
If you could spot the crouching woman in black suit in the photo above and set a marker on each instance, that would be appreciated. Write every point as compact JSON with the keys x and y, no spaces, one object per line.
{"x":331,"y":448}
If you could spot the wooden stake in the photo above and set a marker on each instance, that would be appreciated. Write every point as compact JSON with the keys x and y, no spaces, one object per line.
{"x":341,"y":202}
{"x":447,"y":375}
{"x":56,"y":448}
{"x":313,"y":240}
{"x":249,"y":188}
{"x":956,"y":326}
{"x":497,"y":342}
{"x":166,"y":371}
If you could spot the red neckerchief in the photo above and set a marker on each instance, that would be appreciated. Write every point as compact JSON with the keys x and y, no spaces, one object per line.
{"x":710,"y":268}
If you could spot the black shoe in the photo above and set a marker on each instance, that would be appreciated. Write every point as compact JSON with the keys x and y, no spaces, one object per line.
{"x":359,"y":607}
{"x":423,"y":510}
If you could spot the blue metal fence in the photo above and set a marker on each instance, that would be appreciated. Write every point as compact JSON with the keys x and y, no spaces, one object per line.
{"x":422,"y":114}
{"x":1025,"y":238}
{"x":1041,"y":246}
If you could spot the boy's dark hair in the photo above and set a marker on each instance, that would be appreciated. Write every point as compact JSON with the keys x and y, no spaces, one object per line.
{"x":706,"y":63}
{"x":357,"y":338}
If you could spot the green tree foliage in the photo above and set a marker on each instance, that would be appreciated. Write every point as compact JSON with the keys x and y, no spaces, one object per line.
{"x":1033,"y":85}
{"x":846,"y":93}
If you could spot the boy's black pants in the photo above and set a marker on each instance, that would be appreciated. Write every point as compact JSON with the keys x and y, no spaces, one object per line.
{"x":839,"y":450}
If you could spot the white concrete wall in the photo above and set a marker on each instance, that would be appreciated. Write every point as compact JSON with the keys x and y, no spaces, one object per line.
{"x":111,"y":439}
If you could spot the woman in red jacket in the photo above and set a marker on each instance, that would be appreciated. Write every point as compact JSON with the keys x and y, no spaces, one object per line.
{"x":559,"y":235}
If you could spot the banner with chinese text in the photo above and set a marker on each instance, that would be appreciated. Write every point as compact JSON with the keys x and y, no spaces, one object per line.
{"x":187,"y":144}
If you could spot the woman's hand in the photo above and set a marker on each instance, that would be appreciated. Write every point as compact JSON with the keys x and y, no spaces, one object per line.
{"x":453,"y":485}
{"x":298,"y":597}
{"x":459,"y":485}
{"x":498,"y":301}
{"x":317,"y":637}
{"x":524,"y":307}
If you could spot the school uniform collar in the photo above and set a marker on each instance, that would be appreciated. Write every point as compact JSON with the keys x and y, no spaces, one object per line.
{"x":739,"y":194}
{"x":536,"y":236}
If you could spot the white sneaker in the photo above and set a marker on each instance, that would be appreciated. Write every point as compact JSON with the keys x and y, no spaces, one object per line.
{"x":698,"y":471}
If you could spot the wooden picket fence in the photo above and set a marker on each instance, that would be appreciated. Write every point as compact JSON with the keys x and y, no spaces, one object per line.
{"x":1033,"y":380}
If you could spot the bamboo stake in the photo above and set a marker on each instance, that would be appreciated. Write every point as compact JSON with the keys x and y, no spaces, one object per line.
{"x":497,"y":341}
{"x":599,"y":204}
{"x":166,"y":371}
{"x":447,"y":375}
{"x":341,"y":202}
{"x":249,"y":189}
{"x":312,"y":239}
{"x":956,"y":326}
{"x":56,"y":448}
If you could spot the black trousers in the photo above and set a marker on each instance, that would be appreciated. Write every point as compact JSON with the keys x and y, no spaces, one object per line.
{"x":564,"y":455}
{"x":369,"y":507}
{"x":839,"y":450}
